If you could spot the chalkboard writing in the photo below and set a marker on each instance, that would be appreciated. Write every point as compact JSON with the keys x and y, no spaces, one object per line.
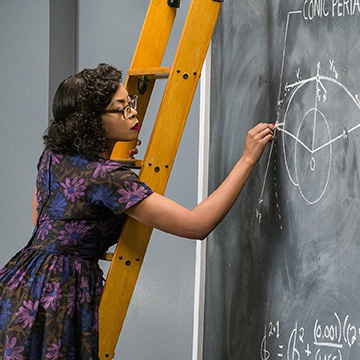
{"x":324,"y":341}
{"x":320,"y":8}
{"x":282,"y":268}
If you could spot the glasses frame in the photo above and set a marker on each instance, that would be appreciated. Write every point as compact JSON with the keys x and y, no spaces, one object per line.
{"x":125,"y":110}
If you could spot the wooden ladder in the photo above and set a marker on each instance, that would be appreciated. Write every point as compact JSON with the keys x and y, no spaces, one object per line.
{"x":182,"y":78}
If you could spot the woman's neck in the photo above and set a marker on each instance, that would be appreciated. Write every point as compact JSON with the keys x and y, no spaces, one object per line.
{"x":107,"y":153}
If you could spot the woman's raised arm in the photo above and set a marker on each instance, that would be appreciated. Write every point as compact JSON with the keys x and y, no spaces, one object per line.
{"x":166,"y":215}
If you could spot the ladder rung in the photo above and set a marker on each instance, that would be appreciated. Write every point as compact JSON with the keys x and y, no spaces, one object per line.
{"x":151,"y":72}
{"x":107,"y":256}
{"x":131,"y":163}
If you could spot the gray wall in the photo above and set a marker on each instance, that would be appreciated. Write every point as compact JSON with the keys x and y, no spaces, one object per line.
{"x":160,"y":318}
{"x":24,"y":79}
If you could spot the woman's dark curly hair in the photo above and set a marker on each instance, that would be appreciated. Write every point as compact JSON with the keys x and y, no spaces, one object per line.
{"x":78,"y":102}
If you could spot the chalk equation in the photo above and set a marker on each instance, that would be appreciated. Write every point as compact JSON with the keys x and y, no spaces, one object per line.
{"x":323,"y":341}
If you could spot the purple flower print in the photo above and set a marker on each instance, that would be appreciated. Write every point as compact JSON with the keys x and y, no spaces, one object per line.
{"x":37,"y":285}
{"x":78,"y":160}
{"x":17,"y":279}
{"x":46,"y":182}
{"x":43,"y":161}
{"x":78,"y":266}
{"x":54,"y":351}
{"x":51,"y":248}
{"x":131,"y":194}
{"x":56,"y":264}
{"x":38,"y":199}
{"x":73,"y":188}
{"x":84,"y":290}
{"x":4,"y":313}
{"x":12,"y":352}
{"x":42,"y":166}
{"x":73,"y":232}
{"x":70,"y":305}
{"x":103,"y":195}
{"x":57,"y":205}
{"x":27,"y":313}
{"x":40,"y":175}
{"x":55,"y":158}
{"x":44,"y":226}
{"x":101,"y":167}
{"x":51,"y":295}
{"x":54,"y":184}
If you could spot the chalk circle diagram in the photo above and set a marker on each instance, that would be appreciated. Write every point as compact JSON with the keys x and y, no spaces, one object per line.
{"x":310,"y":123}
{"x":307,"y":137}
{"x":307,"y":146}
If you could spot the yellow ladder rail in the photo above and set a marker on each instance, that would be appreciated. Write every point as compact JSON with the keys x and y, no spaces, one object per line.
{"x":157,"y":163}
{"x":148,"y":54}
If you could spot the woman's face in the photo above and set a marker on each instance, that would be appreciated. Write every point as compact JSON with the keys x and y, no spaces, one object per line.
{"x":117,"y":126}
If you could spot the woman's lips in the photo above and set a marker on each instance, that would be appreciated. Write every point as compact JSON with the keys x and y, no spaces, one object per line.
{"x":136,"y":127}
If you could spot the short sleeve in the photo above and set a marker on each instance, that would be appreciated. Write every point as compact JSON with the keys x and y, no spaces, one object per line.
{"x":120,"y":189}
{"x":42,"y":160}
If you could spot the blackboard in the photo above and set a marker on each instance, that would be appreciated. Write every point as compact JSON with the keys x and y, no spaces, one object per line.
{"x":283,"y":268}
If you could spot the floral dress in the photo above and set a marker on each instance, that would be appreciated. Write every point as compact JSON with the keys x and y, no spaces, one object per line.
{"x":50,"y":290}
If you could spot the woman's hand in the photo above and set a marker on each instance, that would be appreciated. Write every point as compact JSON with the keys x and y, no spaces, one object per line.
{"x":256,"y":141}
{"x":133,"y":152}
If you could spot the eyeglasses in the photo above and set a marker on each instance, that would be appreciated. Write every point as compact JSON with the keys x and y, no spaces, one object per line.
{"x":127,"y":109}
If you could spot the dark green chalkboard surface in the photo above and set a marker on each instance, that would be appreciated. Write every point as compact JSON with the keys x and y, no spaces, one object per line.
{"x":283,"y":268}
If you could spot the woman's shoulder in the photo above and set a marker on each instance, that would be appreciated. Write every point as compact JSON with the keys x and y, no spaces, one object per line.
{"x":96,"y":169}
{"x":78,"y":160}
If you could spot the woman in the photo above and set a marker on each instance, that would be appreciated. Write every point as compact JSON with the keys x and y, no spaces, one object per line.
{"x":50,"y":290}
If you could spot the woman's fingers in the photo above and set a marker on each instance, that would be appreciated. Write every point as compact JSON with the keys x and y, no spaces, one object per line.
{"x":268,"y":132}
{"x":263,"y":127}
{"x":134,"y":151}
{"x":256,"y":141}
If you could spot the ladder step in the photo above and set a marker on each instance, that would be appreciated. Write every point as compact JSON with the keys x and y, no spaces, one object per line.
{"x":107,"y":256}
{"x":151,"y":72}
{"x":131,"y":163}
